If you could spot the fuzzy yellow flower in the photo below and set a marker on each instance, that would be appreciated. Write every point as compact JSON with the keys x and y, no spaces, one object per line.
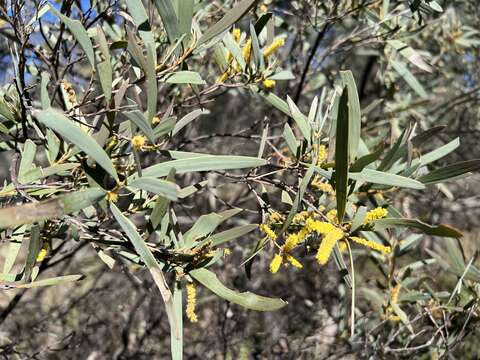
{"x":275,"y":217}
{"x":191,"y":302}
{"x":322,"y":154}
{"x":326,"y":247}
{"x":394,"y":294}
{"x":138,"y":141}
{"x":43,"y":252}
{"x":332,"y":216}
{"x":375,"y":214}
{"x":268,"y":231}
{"x":247,"y":50}
{"x":274,"y":46}
{"x":269,"y":84}
{"x":291,"y":242}
{"x":372,"y":245}
{"x":320,"y":227}
{"x":236,"y":33}
{"x":293,"y":261}
{"x":112,"y":196}
{"x":275,"y":264}
{"x":317,"y":184}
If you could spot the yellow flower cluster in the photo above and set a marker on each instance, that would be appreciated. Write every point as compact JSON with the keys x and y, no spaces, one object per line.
{"x":317,"y":184}
{"x":274,"y":46}
{"x":394,"y":294}
{"x":375,"y":214}
{"x":275,"y":217}
{"x":322,"y":154}
{"x":138,"y":141}
{"x":372,"y":245}
{"x":269,"y":84}
{"x":43,"y":252}
{"x":191,"y":302}
{"x":267,"y":230}
{"x":332,"y":216}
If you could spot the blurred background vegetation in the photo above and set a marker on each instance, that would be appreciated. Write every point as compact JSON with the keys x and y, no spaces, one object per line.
{"x":415,"y":63}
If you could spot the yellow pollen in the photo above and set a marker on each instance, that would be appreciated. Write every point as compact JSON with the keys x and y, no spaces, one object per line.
{"x":326,"y":247}
{"x":112,"y":196}
{"x":191,"y":302}
{"x":375,"y":214}
{"x":294,"y":261}
{"x":268,"y":231}
{"x":275,"y":264}
{"x":269,"y":84}
{"x":273,"y":47}
{"x":372,"y":245}
{"x":138,"y":141}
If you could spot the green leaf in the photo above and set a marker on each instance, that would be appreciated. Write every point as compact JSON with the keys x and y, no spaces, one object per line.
{"x":14,"y":245}
{"x":184,"y":77}
{"x":44,"y":98}
{"x":187,"y":119}
{"x":143,"y":124}
{"x":383,"y":178}
{"x":147,"y":257}
{"x":300,"y":119}
{"x":245,"y":299}
{"x":28,"y":155}
{"x":104,"y":67}
{"x":290,"y":138}
{"x":140,"y":18}
{"x":450,"y":172}
{"x":354,"y":114}
{"x":204,"y":163}
{"x":169,"y":18}
{"x":185,"y":16}
{"x":231,"y":234}
{"x":34,"y":246}
{"x":176,"y":344}
{"x":230,"y":18}
{"x":410,"y":79}
{"x":51,"y":282}
{"x":165,"y":188}
{"x":65,"y":127}
{"x":152,"y":87}
{"x":438,"y":230}
{"x":48,"y":209}
{"x":341,"y":155}
{"x":410,"y":54}
{"x":80,"y":34}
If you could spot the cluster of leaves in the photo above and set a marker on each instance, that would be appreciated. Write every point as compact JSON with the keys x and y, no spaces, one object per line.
{"x":95,"y":115}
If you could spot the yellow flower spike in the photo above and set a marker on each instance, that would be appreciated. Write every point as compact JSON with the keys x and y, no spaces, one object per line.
{"x":291,"y":242}
{"x":236,"y":33}
{"x":294,"y":261}
{"x":275,"y":217}
{"x":343,"y":246}
{"x":274,"y":46}
{"x":326,"y":247}
{"x":191,"y":302}
{"x":155,"y":120}
{"x":112,"y":196}
{"x":275,"y":264}
{"x":43,"y":252}
{"x":247,"y":50}
{"x":394,"y":294}
{"x":375,"y":214}
{"x":332,"y":216}
{"x":372,"y":245}
{"x":322,"y":154}
{"x":269,"y":84}
{"x":138,"y":141}
{"x":317,"y":184}
{"x":320,"y":227}
{"x":268,"y":231}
